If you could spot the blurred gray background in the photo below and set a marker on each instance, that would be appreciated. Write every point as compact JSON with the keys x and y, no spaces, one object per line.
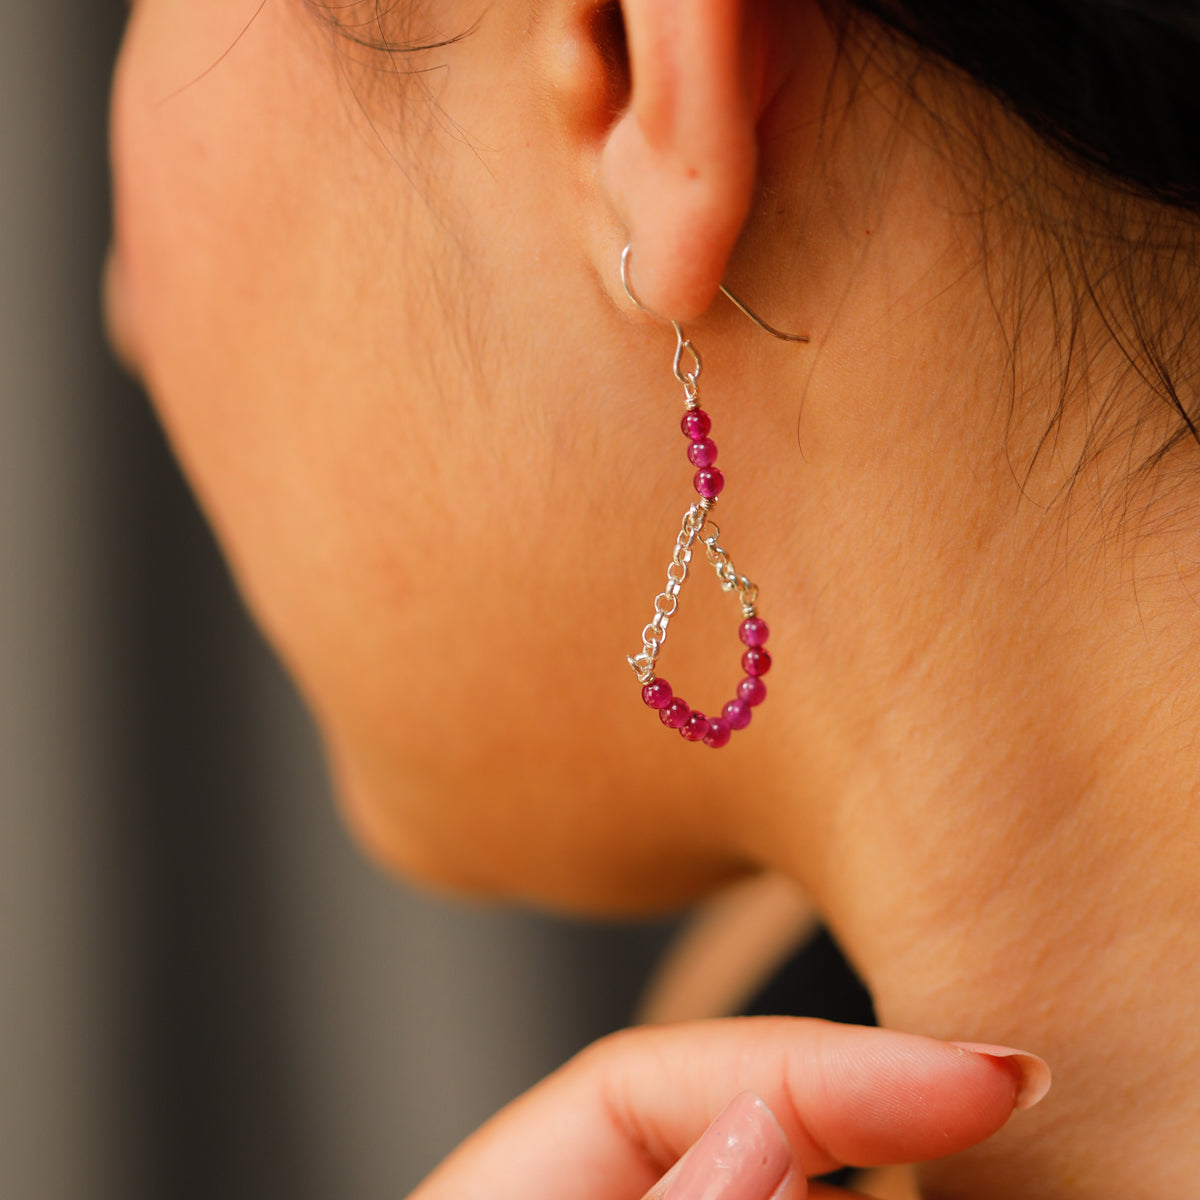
{"x":204,"y":991}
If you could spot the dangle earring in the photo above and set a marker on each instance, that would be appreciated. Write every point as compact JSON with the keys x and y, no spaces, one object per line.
{"x":698,"y":526}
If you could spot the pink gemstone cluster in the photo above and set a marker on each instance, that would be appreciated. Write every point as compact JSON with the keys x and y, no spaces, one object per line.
{"x":676,"y":713}
{"x":702,"y":453}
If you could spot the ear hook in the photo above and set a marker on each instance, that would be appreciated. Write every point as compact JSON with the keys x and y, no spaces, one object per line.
{"x":738,"y":304}
{"x":682,"y":344}
{"x":778,"y":333}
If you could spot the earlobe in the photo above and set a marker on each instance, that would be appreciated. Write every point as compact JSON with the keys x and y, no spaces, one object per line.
{"x":679,"y":163}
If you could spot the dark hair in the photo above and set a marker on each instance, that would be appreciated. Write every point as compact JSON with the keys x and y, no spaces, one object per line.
{"x":1113,"y":83}
{"x":1114,"y":87}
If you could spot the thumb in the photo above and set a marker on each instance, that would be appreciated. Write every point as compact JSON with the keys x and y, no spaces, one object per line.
{"x":742,"y":1155}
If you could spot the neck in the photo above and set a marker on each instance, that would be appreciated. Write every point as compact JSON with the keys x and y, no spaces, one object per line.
{"x":1029,"y":878}
{"x":997,"y":815}
{"x":1082,"y":946}
{"x":989,"y":782}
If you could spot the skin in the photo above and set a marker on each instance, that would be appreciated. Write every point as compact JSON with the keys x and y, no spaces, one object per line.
{"x":617,"y":1117}
{"x":381,"y":319}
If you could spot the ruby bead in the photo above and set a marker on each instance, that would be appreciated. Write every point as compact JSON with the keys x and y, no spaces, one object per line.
{"x":695,"y":727}
{"x":719,"y":733}
{"x":708,"y":482}
{"x":657,"y":693}
{"x":702,"y":453}
{"x":756,"y":661}
{"x":753,"y":631}
{"x":737,"y":714}
{"x":696,"y":423}
{"x":675,"y":713}
{"x":752,"y":690}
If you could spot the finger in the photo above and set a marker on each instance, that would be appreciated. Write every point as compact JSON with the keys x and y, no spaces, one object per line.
{"x":843,"y":1094}
{"x":612,"y":1121}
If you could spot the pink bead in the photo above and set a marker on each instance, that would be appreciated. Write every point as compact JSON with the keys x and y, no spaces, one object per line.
{"x":752,"y":690}
{"x":754,"y":631}
{"x":675,"y":713}
{"x":708,"y":482}
{"x":657,"y":693}
{"x":756,"y":661}
{"x":719,"y":733}
{"x":696,"y":423}
{"x":695,"y":727}
{"x":737,"y":713}
{"x":702,"y":453}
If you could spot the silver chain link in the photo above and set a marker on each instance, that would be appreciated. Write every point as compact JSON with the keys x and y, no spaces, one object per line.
{"x":731,"y":581}
{"x":667,"y":601}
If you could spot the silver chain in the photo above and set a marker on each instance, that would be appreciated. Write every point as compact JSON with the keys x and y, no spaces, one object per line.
{"x":697,"y":526}
{"x":731,"y":581}
{"x":667,"y":601}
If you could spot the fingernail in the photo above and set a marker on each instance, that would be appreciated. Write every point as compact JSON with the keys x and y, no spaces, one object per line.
{"x":1033,"y":1074}
{"x":742,"y":1155}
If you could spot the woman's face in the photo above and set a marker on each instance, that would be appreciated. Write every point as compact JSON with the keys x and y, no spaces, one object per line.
{"x":376,"y":301}
{"x":365,"y":306}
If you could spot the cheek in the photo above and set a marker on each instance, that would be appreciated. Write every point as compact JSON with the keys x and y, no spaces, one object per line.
{"x":242,"y":227}
{"x":203,"y":150}
{"x":429,"y":512}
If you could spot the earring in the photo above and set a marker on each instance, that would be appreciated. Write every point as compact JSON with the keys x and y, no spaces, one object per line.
{"x":698,"y":526}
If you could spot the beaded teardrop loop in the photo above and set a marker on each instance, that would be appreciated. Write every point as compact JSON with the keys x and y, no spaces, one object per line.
{"x":698,"y":526}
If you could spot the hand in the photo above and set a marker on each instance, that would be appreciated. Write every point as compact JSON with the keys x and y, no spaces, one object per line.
{"x":609,"y":1124}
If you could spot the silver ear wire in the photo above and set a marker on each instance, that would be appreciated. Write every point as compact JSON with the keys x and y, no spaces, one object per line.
{"x":738,"y":304}
{"x":777,"y":333}
{"x":682,"y":344}
{"x":629,"y":286}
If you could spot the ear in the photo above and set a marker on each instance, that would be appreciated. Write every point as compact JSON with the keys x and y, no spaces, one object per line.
{"x":679,"y":162}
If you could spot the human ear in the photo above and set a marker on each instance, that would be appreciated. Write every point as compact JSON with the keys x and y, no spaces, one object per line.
{"x":678,"y":163}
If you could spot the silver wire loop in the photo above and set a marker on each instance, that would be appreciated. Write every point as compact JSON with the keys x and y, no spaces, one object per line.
{"x":691,"y":378}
